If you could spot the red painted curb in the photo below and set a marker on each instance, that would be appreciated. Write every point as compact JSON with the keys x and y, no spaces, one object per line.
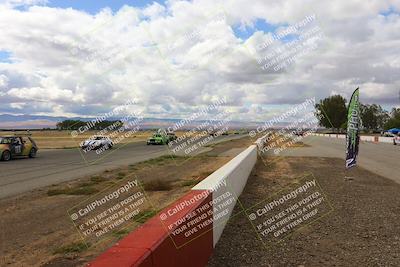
{"x":154,"y":244}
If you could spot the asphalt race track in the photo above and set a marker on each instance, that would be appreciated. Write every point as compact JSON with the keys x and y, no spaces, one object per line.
{"x":380,"y":158}
{"x":60,"y":165}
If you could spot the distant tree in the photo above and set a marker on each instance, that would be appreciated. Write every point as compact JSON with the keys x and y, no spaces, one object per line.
{"x":383,"y":118}
{"x":344,"y":126}
{"x":70,"y":124}
{"x":394,"y":120}
{"x":334,"y":110}
{"x":76,"y":124}
{"x":373,"y":116}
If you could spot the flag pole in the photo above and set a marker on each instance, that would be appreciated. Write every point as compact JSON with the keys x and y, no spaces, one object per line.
{"x":353,"y":131}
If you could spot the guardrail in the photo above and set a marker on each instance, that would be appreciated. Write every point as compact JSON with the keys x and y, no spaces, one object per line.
{"x":159,"y":241}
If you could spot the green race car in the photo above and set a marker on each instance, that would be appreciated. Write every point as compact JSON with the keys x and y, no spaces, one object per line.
{"x":17,"y":146}
{"x":158,"y":139}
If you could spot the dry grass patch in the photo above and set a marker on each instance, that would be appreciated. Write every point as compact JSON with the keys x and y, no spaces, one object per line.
{"x":25,"y":217}
{"x":97,"y":179}
{"x":75,"y":247}
{"x":63,"y":139}
{"x":143,"y":216}
{"x":85,"y":190}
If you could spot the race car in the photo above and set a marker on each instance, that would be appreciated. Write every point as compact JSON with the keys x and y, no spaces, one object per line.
{"x":298,"y":132}
{"x":97,"y":142}
{"x":158,"y":139}
{"x":396,"y":140}
{"x":171,"y":136}
{"x":17,"y":146}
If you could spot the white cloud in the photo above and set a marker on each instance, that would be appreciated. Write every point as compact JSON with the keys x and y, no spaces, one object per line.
{"x":154,"y":10}
{"x":16,"y":3}
{"x":18,"y":105}
{"x":178,"y":57}
{"x":3,"y":81}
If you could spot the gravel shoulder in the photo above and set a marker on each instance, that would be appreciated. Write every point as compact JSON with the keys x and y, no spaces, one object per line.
{"x":362,"y":230}
{"x":37,"y":231}
{"x":380,"y":158}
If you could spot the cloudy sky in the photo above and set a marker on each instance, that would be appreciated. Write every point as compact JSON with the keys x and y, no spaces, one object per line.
{"x":83,"y":58}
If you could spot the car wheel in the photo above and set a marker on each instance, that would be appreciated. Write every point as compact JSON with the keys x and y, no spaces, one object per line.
{"x":32,"y":153}
{"x":6,"y":156}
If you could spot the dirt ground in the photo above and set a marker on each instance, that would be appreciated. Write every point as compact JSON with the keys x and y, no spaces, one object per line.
{"x":362,"y":230}
{"x":37,"y":231}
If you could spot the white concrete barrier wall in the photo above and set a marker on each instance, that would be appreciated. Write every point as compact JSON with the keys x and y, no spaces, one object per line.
{"x":385,"y":139}
{"x":235,"y":173}
{"x":365,"y":138}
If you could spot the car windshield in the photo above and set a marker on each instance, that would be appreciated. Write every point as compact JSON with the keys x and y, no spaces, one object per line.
{"x":5,"y":140}
{"x":98,"y":138}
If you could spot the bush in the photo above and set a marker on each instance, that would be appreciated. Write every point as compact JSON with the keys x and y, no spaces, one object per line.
{"x":157,"y":185}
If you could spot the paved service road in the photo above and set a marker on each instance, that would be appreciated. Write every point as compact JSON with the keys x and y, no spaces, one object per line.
{"x":380,"y":158}
{"x":60,"y":165}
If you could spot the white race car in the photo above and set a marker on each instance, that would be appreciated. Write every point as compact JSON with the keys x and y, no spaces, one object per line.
{"x":97,"y":142}
{"x":396,"y":140}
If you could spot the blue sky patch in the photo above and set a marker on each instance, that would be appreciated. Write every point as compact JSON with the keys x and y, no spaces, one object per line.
{"x":5,"y":57}
{"x":389,"y":12}
{"x":259,"y":25}
{"x":94,"y":7}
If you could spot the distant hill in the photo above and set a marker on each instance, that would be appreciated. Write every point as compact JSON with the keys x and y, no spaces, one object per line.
{"x":9,"y":121}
